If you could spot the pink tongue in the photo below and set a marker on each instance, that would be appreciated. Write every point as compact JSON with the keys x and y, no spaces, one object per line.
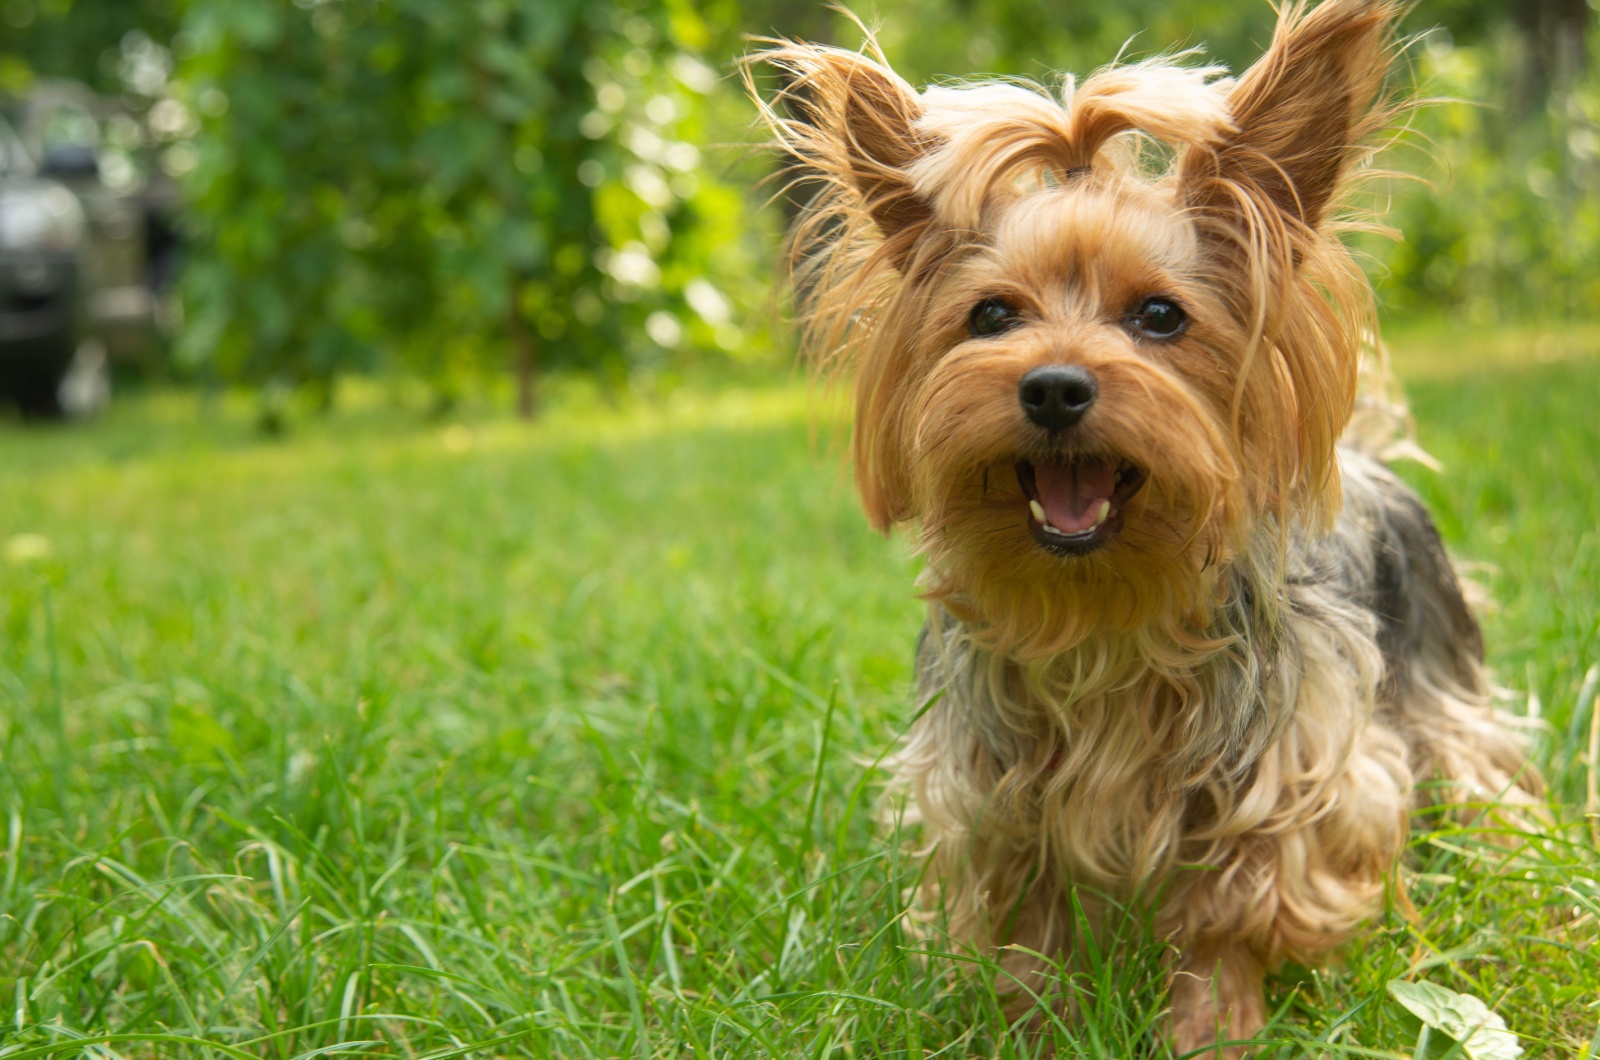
{"x":1071,"y":493}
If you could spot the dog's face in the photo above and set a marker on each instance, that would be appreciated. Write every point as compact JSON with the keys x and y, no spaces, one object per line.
{"x":1067,"y":422}
{"x":1087,"y":379}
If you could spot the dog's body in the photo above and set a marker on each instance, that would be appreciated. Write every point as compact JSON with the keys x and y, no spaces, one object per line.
{"x":1180,"y":650}
{"x":1272,"y":831}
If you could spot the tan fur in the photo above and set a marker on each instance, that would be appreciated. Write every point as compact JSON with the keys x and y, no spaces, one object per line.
{"x":1193,"y":693}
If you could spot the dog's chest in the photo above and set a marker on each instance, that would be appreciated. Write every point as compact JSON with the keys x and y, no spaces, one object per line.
{"x":1106,"y":762}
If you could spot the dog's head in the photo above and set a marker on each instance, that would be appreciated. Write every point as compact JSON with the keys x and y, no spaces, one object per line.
{"x":1100,"y":340}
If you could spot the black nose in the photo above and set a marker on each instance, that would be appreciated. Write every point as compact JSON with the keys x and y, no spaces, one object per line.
{"x":1057,"y":395}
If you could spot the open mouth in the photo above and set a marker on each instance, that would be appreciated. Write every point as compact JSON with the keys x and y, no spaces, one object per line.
{"x":1075,"y":506}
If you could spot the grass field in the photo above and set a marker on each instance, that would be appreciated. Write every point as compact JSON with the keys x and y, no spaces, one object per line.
{"x":490,"y":740}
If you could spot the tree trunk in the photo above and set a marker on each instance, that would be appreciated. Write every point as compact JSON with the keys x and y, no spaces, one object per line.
{"x":524,"y":351}
{"x":1553,"y":49}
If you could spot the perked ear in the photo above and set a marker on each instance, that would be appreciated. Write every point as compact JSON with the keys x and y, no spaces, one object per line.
{"x":1301,"y":113}
{"x":851,"y":123}
{"x":1303,"y":118}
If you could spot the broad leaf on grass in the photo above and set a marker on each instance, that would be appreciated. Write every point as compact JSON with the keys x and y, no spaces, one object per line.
{"x":1464,"y":1018}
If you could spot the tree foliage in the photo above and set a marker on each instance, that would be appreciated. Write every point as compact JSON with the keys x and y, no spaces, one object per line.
{"x":1506,"y":222}
{"x":445,"y":187}
{"x":78,"y":39}
{"x":429,"y":183}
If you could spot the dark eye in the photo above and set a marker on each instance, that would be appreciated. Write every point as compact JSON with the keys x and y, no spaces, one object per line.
{"x":992,"y":316}
{"x":1159,"y":318}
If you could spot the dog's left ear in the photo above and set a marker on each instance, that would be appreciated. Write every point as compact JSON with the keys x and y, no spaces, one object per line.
{"x":1301,"y":113}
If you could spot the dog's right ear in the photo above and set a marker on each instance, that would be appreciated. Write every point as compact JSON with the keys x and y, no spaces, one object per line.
{"x":851,"y":123}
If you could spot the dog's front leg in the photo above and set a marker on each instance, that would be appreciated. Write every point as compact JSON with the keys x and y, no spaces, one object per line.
{"x":1216,"y":996}
{"x":1297,"y":885}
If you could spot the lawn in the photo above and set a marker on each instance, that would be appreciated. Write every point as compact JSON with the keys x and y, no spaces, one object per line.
{"x":482,"y":739}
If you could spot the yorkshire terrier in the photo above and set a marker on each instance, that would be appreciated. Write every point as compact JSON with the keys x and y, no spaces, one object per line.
{"x":1189,"y":643}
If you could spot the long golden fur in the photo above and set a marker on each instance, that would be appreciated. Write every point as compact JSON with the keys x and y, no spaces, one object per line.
{"x":1256,"y":649}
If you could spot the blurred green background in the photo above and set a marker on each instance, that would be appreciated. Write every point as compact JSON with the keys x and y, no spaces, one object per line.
{"x":470,"y":192}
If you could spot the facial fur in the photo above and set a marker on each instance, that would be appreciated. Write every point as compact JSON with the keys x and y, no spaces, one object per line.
{"x":1075,"y":265}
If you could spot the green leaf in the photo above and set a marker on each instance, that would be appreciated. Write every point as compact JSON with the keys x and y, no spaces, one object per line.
{"x":1481,"y":1033}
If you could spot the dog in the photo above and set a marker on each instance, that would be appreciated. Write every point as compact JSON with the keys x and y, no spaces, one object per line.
{"x":1189,"y":642}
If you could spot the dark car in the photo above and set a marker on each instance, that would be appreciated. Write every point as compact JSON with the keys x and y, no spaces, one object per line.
{"x":88,"y":248}
{"x":44,"y":301}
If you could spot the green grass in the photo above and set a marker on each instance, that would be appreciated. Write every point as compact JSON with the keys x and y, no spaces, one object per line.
{"x":500,"y":741}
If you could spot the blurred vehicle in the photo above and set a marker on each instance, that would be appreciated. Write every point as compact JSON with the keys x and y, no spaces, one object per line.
{"x":44,"y":243}
{"x":85,"y":247}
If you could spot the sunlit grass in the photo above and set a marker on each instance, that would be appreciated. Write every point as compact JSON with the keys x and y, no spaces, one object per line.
{"x":466,"y":737}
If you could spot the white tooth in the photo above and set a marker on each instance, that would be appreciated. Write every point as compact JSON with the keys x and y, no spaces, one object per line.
{"x":1105,"y":509}
{"x":1038,"y":512}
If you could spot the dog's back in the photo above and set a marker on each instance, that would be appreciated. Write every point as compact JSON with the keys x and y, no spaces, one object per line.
{"x":1385,"y":553}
